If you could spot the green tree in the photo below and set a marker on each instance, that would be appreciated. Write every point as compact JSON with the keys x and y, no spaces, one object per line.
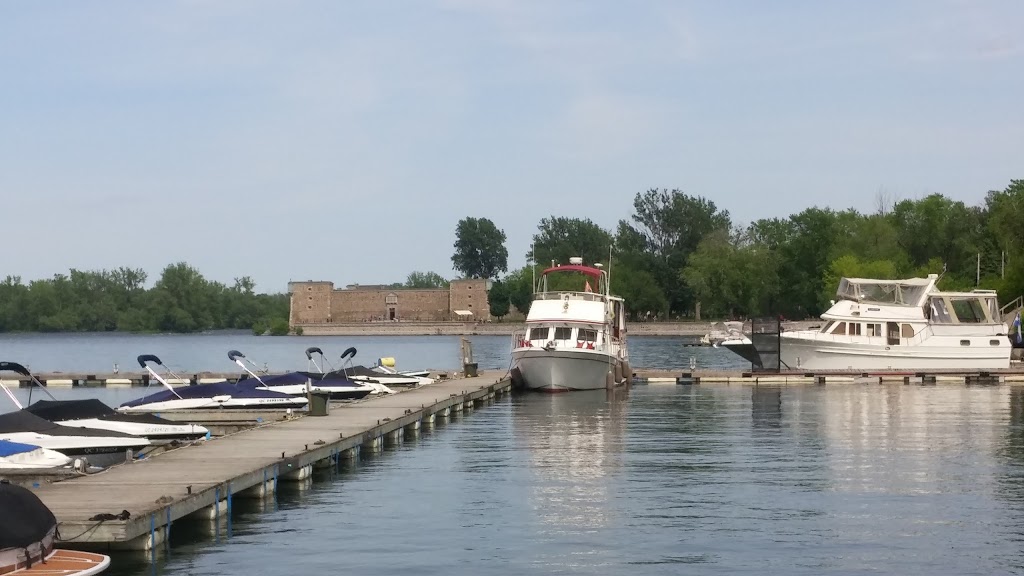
{"x":425,"y":280}
{"x":479,"y":248}
{"x":519,"y":287}
{"x":732,"y":277}
{"x":499,"y":298}
{"x":671,"y":224}
{"x":559,"y":239}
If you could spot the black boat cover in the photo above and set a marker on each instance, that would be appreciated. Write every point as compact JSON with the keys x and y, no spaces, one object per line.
{"x":26,"y":520}
{"x":60,"y":410}
{"x":22,"y":421}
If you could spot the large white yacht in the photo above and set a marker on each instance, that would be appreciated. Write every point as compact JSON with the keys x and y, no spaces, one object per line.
{"x":898,"y":325}
{"x":573,"y":340}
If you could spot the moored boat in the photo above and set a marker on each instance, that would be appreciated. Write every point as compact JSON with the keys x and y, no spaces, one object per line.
{"x":906,"y":324}
{"x":27,"y":533}
{"x":17,"y":456}
{"x":214,"y":396}
{"x":574,"y":340}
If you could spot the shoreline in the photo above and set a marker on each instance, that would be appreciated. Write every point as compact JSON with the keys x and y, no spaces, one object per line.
{"x":694,"y":329}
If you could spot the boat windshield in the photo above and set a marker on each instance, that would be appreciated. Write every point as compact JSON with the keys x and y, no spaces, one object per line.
{"x":898,"y":292}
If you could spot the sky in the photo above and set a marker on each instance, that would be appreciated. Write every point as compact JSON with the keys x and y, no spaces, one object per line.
{"x":343,"y":141}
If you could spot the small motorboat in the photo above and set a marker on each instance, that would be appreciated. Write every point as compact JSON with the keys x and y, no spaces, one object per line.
{"x":91,"y":413}
{"x":99,"y":447}
{"x":302,"y":383}
{"x":215,"y":396}
{"x":17,"y":456}
{"x":27,"y":535}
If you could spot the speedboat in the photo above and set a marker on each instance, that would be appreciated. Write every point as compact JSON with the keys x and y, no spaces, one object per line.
{"x":336,"y":386}
{"x":94,"y":414}
{"x":91,"y":413}
{"x":906,"y":324}
{"x":383,"y":372}
{"x":573,"y":340}
{"x":16,"y":456}
{"x":214,"y":396}
{"x":99,"y":447}
{"x":27,"y":538}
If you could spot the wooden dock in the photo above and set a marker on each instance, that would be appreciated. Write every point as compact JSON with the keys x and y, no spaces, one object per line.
{"x":203,"y":479}
{"x":823,"y":377}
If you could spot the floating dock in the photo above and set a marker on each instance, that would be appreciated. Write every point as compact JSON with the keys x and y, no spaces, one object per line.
{"x":134,"y":505}
{"x":823,"y":377}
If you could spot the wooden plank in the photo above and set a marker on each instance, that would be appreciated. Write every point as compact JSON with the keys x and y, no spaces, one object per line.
{"x":156,"y":489}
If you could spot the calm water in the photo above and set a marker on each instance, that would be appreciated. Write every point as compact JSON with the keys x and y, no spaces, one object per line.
{"x":663,"y":480}
{"x":842,"y":479}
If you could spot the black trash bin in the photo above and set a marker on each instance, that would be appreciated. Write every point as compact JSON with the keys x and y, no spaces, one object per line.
{"x":469,"y":370}
{"x":319,"y":404}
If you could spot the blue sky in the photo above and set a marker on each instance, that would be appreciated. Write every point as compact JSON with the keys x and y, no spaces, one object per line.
{"x":343,"y":141}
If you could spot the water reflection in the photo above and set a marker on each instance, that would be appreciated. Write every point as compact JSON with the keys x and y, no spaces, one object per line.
{"x":766,"y":406}
{"x":573,"y":443}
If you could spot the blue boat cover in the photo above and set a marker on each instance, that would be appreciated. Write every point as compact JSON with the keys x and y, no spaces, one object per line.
{"x":291,"y":378}
{"x":240,"y":390}
{"x":8,"y":448}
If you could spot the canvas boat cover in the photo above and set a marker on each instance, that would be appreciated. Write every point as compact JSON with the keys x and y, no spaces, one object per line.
{"x":291,"y":378}
{"x":22,"y":421}
{"x":26,"y":520}
{"x":8,"y":448}
{"x":208,"y":391}
{"x":60,"y":410}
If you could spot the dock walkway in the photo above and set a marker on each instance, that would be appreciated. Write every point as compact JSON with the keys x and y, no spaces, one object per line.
{"x":204,"y":478}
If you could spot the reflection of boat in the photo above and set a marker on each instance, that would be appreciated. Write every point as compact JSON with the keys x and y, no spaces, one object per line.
{"x":573,"y":340}
{"x":218,"y":395}
{"x":573,"y":443}
{"x":27,"y":536}
{"x":15,"y":456}
{"x":898,"y":324}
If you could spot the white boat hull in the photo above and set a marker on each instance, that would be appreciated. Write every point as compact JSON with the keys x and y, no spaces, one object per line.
{"x":40,"y":458}
{"x":808,"y":354}
{"x":155,"y":432}
{"x":100,"y":451}
{"x":563,"y":370}
{"x":216,"y":403}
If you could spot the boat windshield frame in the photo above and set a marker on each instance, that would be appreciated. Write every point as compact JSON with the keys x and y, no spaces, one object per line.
{"x":911,"y":292}
{"x":599,"y":275}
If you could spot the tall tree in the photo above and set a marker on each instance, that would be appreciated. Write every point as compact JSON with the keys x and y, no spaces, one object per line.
{"x":672,"y":224}
{"x":479,"y":248}
{"x":499,"y":299}
{"x":423,"y":280}
{"x":559,"y":238}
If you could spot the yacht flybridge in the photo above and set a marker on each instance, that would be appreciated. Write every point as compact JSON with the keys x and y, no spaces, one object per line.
{"x":898,"y":325}
{"x":574,"y":340}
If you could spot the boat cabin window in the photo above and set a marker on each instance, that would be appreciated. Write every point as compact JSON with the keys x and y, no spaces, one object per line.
{"x":907,"y":331}
{"x":874,"y":330}
{"x":827,"y":328}
{"x":587,"y":335}
{"x":939,"y":314}
{"x":854,"y":329}
{"x":538,"y":333}
{"x":840,"y":328}
{"x":563,"y":333}
{"x":993,"y":308}
{"x":968,"y":310}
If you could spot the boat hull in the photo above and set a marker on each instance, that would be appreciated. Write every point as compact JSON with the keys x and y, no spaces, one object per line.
{"x":563,"y":370}
{"x":807,"y":354}
{"x":154,"y":432}
{"x":216,"y":404}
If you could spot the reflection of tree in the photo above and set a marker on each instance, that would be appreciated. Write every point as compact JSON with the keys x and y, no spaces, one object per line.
{"x":1011,"y":477}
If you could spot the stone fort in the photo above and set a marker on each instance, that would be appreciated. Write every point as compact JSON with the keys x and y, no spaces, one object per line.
{"x":318,"y":302}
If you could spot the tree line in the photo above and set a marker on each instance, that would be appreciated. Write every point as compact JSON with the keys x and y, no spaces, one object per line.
{"x":679,"y":256}
{"x":181,"y":300}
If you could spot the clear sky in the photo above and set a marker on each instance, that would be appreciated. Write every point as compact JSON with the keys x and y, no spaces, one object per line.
{"x":343,"y":140}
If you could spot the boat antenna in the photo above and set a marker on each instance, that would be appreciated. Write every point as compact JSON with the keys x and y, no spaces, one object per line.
{"x":608,"y":288}
{"x":533,"y":268}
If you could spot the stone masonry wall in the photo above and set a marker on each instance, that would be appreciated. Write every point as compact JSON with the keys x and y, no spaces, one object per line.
{"x":310,"y":302}
{"x":374,"y":305}
{"x":470,"y":295}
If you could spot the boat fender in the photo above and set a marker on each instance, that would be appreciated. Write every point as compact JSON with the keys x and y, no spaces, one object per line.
{"x":618,"y":372}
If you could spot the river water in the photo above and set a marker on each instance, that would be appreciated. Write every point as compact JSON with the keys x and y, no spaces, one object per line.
{"x":838,"y":479}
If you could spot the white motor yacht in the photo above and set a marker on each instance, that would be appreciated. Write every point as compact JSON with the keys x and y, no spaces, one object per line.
{"x":573,"y":340}
{"x":897,"y":325}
